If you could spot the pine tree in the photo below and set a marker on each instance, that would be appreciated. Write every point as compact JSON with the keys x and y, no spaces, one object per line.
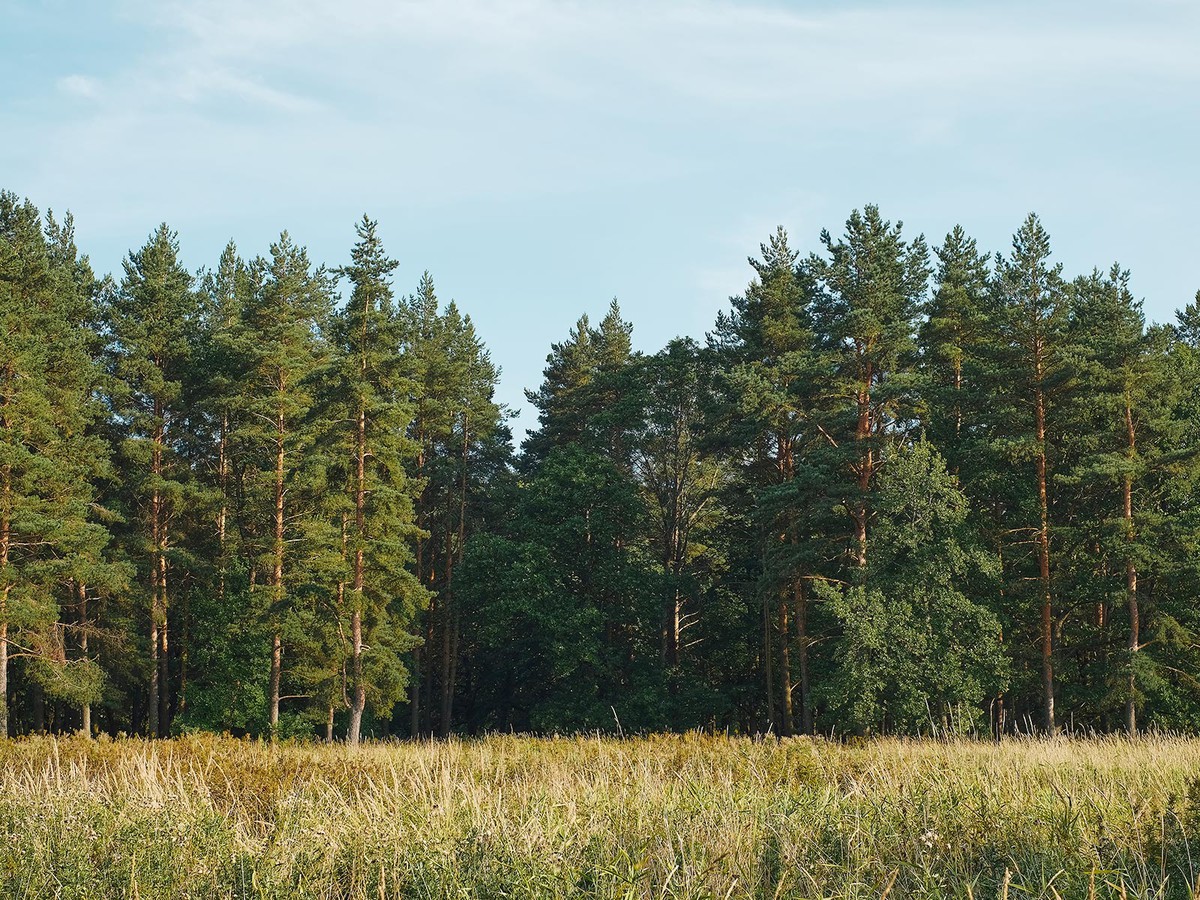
{"x":1122,"y":418}
{"x":382,"y":595}
{"x":455,"y":416}
{"x":873,"y":287}
{"x":153,"y":318}
{"x":952,"y":339}
{"x":1031,"y":371}
{"x":50,"y":542}
{"x":775,"y":368}
{"x":579,"y":400}
{"x":280,"y":352}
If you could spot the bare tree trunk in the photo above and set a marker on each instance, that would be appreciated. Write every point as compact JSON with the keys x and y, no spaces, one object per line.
{"x":359,"y":701}
{"x":1131,"y":575}
{"x":1043,"y":543}
{"x":85,"y":712}
{"x":5,"y":546}
{"x":806,"y":710}
{"x":958,"y":417}
{"x":768,"y":654}
{"x":329,"y":726}
{"x":277,"y":576}
{"x":447,"y":616}
{"x":866,"y":469}
{"x":164,"y":657}
{"x":152,"y":703}
{"x":223,"y":514}
{"x":4,"y":663}
{"x":785,"y":670}
{"x":273,"y":685}
{"x":158,"y":686}
{"x":450,"y":639}
{"x":414,"y":698}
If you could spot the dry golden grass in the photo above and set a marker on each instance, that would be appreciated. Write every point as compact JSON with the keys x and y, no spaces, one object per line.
{"x":682,"y":817}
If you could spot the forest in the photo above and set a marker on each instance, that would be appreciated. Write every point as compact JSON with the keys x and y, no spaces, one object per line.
{"x":899,"y":488}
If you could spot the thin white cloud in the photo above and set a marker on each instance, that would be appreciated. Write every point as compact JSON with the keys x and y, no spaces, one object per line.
{"x":79,"y":86}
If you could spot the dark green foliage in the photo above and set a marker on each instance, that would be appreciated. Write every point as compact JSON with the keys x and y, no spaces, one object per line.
{"x":916,"y":652}
{"x":52,"y":529}
{"x":237,"y":501}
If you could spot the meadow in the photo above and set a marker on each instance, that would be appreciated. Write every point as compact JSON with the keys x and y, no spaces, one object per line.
{"x":686,"y":816}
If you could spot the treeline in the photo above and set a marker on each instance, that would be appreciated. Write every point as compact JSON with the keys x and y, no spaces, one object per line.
{"x":894,"y":490}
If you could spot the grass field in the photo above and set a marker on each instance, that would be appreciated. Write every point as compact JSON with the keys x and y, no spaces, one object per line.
{"x":658,"y":817}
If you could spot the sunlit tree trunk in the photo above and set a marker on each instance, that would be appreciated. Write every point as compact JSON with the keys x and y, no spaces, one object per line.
{"x":359,"y":698}
{"x":1131,"y":574}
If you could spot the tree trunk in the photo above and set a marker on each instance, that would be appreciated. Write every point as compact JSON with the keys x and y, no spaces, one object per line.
{"x":4,"y":663}
{"x":1131,"y":584}
{"x":5,"y":545}
{"x":277,"y":575}
{"x":801,"y":615}
{"x":1043,"y":542}
{"x":223,"y":513}
{"x":85,"y":712}
{"x":158,"y":687}
{"x":866,"y":468}
{"x":329,"y":726}
{"x":768,"y":654}
{"x":359,"y":701}
{"x":414,"y":699}
{"x":360,"y":689}
{"x":447,"y":616}
{"x":957,"y":402}
{"x":785,"y":671}
{"x":164,"y":657}
{"x":155,"y":595}
{"x":273,"y":686}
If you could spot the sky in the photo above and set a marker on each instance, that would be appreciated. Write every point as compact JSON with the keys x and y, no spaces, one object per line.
{"x":540,"y":157}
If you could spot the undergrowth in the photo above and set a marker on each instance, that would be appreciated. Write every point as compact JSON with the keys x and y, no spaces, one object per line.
{"x":664,"y":817}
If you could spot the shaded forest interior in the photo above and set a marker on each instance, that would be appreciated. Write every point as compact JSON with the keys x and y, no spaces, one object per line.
{"x":893,"y":490}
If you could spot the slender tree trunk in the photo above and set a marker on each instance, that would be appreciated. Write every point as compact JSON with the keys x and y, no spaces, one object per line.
{"x":801,"y":616}
{"x":277,"y":575}
{"x":158,"y":686}
{"x":185,"y":638}
{"x":768,"y":655}
{"x":1131,"y":575}
{"x":329,"y":726}
{"x":4,"y":662}
{"x":785,"y":670}
{"x":5,"y":547}
{"x":155,"y":596}
{"x":164,"y":657}
{"x":1043,"y":542}
{"x":223,"y":513}
{"x":447,"y":616}
{"x":414,"y":698}
{"x":273,"y":683}
{"x":450,"y":639}
{"x":454,"y":637}
{"x":85,"y":712}
{"x":866,"y":468}
{"x":957,"y":402}
{"x":359,"y":701}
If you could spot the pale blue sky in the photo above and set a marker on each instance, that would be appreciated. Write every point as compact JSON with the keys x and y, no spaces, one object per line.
{"x":539,"y":157}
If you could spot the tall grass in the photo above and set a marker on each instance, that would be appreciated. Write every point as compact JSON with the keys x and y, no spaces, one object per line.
{"x":663,"y":817}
